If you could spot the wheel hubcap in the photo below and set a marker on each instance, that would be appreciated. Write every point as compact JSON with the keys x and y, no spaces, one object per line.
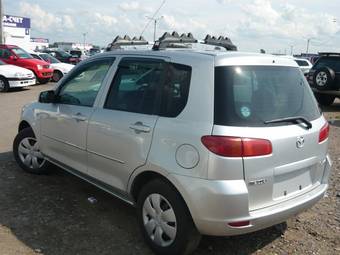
{"x":159,"y":220}
{"x":321,"y":79}
{"x":30,"y":154}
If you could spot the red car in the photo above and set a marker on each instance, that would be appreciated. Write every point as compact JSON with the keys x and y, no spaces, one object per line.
{"x":14,"y":55}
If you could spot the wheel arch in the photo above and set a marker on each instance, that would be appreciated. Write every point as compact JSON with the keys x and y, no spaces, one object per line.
{"x":142,"y":177}
{"x":23,"y":124}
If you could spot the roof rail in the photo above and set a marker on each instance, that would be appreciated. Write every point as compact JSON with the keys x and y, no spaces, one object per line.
{"x":126,"y":41}
{"x":174,"y":40}
{"x":221,"y":41}
{"x":329,"y":54}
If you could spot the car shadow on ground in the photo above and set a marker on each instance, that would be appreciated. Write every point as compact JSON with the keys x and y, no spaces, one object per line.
{"x":52,"y":213}
{"x":335,"y":107}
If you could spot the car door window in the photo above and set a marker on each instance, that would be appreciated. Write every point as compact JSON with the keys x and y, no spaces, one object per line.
{"x":136,"y":86}
{"x":5,"y":53}
{"x":82,"y":87}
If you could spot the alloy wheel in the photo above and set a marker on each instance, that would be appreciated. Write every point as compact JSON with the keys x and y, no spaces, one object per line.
{"x":321,"y":79}
{"x":30,"y":154}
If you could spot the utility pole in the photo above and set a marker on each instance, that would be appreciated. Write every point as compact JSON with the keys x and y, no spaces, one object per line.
{"x":84,"y":35}
{"x":1,"y":25}
{"x":155,"y":20}
{"x":308,"y":41}
{"x":291,"y":49}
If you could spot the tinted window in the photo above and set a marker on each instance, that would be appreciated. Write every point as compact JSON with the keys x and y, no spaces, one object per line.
{"x":301,"y":62}
{"x":82,"y":88}
{"x":331,"y":62}
{"x":5,"y":53}
{"x":251,"y":95}
{"x":21,"y":53}
{"x":49,"y":58}
{"x":176,"y":90}
{"x":35,"y":56}
{"x":136,"y":86}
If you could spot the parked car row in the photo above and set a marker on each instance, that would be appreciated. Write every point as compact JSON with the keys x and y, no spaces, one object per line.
{"x":19,"y":68}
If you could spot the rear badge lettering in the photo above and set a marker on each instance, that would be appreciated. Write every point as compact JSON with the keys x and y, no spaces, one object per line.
{"x":258,"y":182}
{"x":300,"y":142}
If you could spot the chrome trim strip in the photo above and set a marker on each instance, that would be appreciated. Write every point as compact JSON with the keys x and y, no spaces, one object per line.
{"x":107,"y":157}
{"x":68,"y":143}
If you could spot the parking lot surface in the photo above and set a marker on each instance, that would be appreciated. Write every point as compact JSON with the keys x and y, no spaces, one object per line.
{"x":53,"y":214}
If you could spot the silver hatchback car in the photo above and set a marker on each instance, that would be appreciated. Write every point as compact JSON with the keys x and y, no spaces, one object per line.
{"x":201,"y":142}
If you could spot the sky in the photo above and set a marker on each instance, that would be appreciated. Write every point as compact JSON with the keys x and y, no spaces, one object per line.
{"x":275,"y":26}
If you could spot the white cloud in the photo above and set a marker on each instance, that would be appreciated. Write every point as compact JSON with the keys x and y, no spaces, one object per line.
{"x":134,"y":6}
{"x":105,"y":20}
{"x":45,"y":21}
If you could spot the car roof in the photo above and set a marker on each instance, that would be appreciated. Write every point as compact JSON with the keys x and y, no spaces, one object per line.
{"x":219,"y":57}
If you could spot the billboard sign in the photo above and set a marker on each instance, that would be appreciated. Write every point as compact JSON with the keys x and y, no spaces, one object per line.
{"x":16,"y":21}
{"x":39,"y":40}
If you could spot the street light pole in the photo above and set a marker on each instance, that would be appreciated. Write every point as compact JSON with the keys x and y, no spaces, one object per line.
{"x":308,"y":41}
{"x":84,"y":35}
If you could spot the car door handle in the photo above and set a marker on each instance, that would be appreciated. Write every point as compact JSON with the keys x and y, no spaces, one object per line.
{"x":79,"y":117}
{"x":139,"y":127}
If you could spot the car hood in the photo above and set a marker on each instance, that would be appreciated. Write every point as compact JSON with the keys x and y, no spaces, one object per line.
{"x":32,"y":61}
{"x":10,"y":70}
{"x":63,"y":67}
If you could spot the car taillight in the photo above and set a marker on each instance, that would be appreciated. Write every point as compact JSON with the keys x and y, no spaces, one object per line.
{"x":228,"y":146}
{"x":324,"y":132}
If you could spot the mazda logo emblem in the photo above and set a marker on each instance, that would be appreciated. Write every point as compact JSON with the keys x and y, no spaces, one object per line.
{"x":300,"y":141}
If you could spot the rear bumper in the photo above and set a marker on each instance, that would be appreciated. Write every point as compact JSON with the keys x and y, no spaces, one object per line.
{"x":17,"y":83}
{"x":213,"y":204}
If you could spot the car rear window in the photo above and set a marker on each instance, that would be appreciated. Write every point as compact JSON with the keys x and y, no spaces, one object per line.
{"x":301,"y":62}
{"x":251,"y":95}
{"x":331,"y":62}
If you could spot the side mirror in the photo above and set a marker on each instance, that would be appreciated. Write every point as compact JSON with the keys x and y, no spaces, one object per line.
{"x":12,"y":57}
{"x":47,"y":97}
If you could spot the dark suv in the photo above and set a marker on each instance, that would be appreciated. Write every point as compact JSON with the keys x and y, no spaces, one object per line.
{"x":324,"y":78}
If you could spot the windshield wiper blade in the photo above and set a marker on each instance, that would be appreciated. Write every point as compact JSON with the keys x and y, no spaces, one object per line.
{"x":296,"y":119}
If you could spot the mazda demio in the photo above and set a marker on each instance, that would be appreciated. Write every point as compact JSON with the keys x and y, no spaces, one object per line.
{"x":201,"y":142}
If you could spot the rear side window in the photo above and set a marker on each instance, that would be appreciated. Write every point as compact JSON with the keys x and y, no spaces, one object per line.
{"x":137,"y":86}
{"x":331,"y":62}
{"x":176,"y":90}
{"x":251,"y":95}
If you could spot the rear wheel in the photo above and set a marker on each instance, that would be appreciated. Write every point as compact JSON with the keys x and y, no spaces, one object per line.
{"x":27,"y":153}
{"x":4,"y":85}
{"x":324,"y":99}
{"x":324,"y":78}
{"x":57,"y":75}
{"x":165,"y":220}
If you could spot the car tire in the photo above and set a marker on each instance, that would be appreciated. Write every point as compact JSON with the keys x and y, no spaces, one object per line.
{"x":324,"y":78}
{"x":324,"y":100}
{"x":4,"y":85}
{"x":27,"y":153}
{"x":165,"y":220}
{"x":57,"y":75}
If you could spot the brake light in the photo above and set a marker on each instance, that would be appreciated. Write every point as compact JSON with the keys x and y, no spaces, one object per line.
{"x":228,"y":146}
{"x":324,"y":133}
{"x":239,"y":224}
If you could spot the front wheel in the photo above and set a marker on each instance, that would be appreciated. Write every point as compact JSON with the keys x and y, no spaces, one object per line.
{"x":27,"y":153}
{"x":4,"y":85}
{"x":57,"y":75}
{"x":323,"y":99}
{"x":165,"y":220}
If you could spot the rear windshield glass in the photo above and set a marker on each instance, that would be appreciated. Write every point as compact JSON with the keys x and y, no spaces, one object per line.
{"x":301,"y":62}
{"x":251,"y":95}
{"x":331,"y":62}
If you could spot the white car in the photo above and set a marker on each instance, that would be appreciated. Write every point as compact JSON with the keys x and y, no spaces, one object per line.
{"x":14,"y":77}
{"x":304,"y":64}
{"x":60,"y":69}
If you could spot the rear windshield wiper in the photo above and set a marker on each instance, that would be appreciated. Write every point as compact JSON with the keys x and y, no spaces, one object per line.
{"x":296,"y":119}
